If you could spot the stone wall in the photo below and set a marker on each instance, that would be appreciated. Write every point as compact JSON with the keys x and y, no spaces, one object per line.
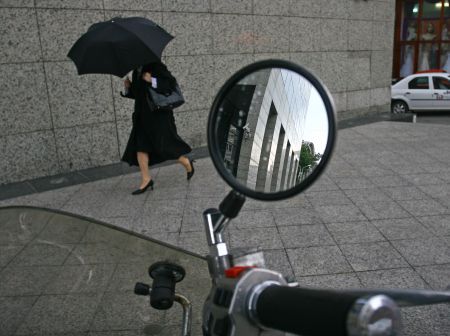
{"x":53,"y":121}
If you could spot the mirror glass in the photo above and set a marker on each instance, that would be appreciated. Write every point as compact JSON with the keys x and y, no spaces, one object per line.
{"x":271,"y":129}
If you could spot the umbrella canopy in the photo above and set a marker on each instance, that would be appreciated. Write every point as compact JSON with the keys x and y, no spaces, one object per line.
{"x":118,"y":46}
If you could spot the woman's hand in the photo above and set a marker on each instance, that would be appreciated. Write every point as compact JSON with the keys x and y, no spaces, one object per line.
{"x":147,"y":76}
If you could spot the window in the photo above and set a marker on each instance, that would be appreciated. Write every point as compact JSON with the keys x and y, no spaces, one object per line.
{"x":420,"y":83}
{"x":422,"y":37}
{"x":441,"y":83}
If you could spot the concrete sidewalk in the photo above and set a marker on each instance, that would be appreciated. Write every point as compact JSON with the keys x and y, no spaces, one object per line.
{"x":378,"y":217}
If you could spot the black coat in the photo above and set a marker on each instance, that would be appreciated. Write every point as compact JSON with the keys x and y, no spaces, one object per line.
{"x":154,"y":130}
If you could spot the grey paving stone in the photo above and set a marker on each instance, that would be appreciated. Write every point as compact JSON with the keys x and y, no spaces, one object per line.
{"x":349,"y":183}
{"x":354,"y":232}
{"x":21,"y":281}
{"x":423,"y":179}
{"x":363,"y":196}
{"x":404,"y":193}
{"x":440,"y":190}
{"x":164,"y":222}
{"x":422,"y":252}
{"x":323,"y":183}
{"x":12,"y":311}
{"x":305,"y":235}
{"x":81,"y":279}
{"x":383,"y":210}
{"x":19,"y":227}
{"x":437,"y":276}
{"x":375,"y":170}
{"x":372,"y":256}
{"x":317,"y":260}
{"x":426,"y":320}
{"x":126,"y":275}
{"x":265,"y":238}
{"x":42,"y":254}
{"x":94,"y":253}
{"x":60,"y":314}
{"x":390,"y":181}
{"x":192,"y":241}
{"x":332,"y":281}
{"x":424,"y":207}
{"x":438,"y":224}
{"x":8,"y":252}
{"x":404,"y":228}
{"x":339,"y":213}
{"x":331,"y":197}
{"x":394,"y":278}
{"x":134,"y":312}
{"x":253,"y":219}
{"x":277,"y":260}
{"x":63,"y":230}
{"x":296,"y":216}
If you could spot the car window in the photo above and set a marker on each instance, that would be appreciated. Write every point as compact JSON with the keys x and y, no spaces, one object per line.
{"x":441,"y":83}
{"x":420,"y":83}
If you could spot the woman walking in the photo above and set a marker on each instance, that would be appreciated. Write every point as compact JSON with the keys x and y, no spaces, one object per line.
{"x":154,"y":137}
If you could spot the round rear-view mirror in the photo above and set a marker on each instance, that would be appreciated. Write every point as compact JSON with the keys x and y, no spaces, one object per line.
{"x":271,"y":129}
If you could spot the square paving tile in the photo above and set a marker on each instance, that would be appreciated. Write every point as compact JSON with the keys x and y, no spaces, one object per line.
{"x":427,"y":251}
{"x":81,"y":279}
{"x":296,"y":216}
{"x":20,"y":281}
{"x":438,"y":224}
{"x":125,"y":310}
{"x":363,"y":196}
{"x":346,"y":183}
{"x":12,"y":312}
{"x":332,"y":281}
{"x":318,"y":260}
{"x":383,"y":210}
{"x":45,"y":254}
{"x":390,"y":181}
{"x":253,"y":219}
{"x":265,"y":238}
{"x":339,"y":213}
{"x":424,"y":207}
{"x":8,"y":252}
{"x":394,"y":278}
{"x":331,"y":197}
{"x":405,"y":193}
{"x":277,"y":260}
{"x":403,"y":228}
{"x":305,"y":235}
{"x":60,"y":314}
{"x":437,"y":276}
{"x":354,"y":232}
{"x":372,"y":256}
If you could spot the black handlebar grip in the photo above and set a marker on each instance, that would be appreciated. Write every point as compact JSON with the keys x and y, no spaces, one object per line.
{"x":308,"y":312}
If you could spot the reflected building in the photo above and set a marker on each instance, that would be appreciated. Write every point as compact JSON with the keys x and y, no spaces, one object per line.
{"x":264,"y":129}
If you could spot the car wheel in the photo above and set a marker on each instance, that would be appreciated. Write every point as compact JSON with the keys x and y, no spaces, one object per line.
{"x":399,"y":106}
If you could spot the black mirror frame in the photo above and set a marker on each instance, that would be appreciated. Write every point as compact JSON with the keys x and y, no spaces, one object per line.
{"x":213,"y":145}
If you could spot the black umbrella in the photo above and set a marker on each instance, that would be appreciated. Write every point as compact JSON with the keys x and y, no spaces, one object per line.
{"x":118,"y":46}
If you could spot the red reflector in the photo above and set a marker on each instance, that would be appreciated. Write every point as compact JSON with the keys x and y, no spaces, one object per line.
{"x":235,"y":271}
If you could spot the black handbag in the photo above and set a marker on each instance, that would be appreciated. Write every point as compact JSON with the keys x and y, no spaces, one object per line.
{"x":168,"y":100}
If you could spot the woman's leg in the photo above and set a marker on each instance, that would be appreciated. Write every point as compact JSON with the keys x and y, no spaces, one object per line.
{"x":143,"y":158}
{"x":185,"y":162}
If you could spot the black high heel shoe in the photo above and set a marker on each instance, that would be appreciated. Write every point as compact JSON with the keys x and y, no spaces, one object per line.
{"x":143,"y":190}
{"x":191,"y":173}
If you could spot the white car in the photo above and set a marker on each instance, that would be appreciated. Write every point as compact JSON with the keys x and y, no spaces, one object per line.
{"x":429,"y":91}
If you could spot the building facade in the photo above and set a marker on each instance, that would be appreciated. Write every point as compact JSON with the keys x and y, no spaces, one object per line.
{"x":54,"y":121}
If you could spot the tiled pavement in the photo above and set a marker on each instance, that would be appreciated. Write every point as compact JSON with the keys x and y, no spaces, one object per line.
{"x":378,"y":217}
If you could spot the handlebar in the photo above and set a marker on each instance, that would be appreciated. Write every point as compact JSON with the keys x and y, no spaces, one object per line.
{"x":304,"y":311}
